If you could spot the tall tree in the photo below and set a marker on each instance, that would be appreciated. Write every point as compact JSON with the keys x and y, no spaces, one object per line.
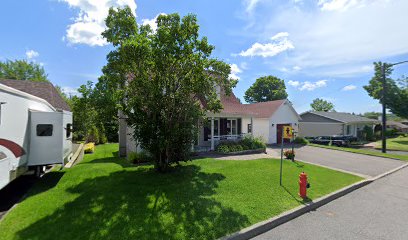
{"x":22,"y":70}
{"x":322,"y":105}
{"x":396,"y":97}
{"x":165,"y":81}
{"x":265,"y":89}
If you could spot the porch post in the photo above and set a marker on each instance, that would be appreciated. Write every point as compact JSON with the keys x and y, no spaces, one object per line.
{"x":252,"y":127}
{"x":212,"y":133}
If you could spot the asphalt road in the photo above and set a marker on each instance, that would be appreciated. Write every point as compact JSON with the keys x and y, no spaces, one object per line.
{"x":356,"y":163}
{"x":376,"y":211}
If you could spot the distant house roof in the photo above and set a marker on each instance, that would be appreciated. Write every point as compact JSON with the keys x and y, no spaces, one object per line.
{"x":233,"y":106}
{"x":44,"y":90}
{"x":397,"y":124}
{"x":343,"y":117}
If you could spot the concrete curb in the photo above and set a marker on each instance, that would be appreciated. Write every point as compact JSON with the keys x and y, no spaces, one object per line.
{"x":271,"y":223}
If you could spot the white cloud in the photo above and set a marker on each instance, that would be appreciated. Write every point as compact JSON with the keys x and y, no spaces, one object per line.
{"x":349,"y":88}
{"x":288,"y":70}
{"x":70,"y":91}
{"x":31,"y":54}
{"x":152,"y":22}
{"x":235,"y":70}
{"x":250,"y":5}
{"x":310,"y":86}
{"x":294,"y":83}
{"x":341,"y":5}
{"x":90,"y":21}
{"x":358,"y":34}
{"x":279,"y":43}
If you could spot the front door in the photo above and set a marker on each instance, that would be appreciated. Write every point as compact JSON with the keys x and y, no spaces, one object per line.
{"x":279,"y":130}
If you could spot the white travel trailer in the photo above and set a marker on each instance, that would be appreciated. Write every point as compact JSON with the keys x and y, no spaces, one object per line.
{"x":35,"y":128}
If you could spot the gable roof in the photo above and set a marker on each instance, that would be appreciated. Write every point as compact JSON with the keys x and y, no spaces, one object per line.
{"x":232,"y":106}
{"x":43,"y":90}
{"x":397,"y":124}
{"x":343,"y":117}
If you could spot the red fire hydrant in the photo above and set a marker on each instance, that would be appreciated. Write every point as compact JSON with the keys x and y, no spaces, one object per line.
{"x":303,"y":185}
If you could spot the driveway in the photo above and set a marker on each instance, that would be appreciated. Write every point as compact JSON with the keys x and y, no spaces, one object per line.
{"x":351,"y":162}
{"x":376,"y":211}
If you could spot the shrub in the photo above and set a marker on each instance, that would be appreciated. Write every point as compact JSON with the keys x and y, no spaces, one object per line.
{"x":223,"y":149}
{"x":252,"y":142}
{"x":301,"y":140}
{"x":289,"y":154}
{"x":89,"y":148}
{"x":102,"y":135}
{"x":93,"y":135}
{"x":391,"y":133}
{"x":368,"y":133}
{"x":139,"y":157}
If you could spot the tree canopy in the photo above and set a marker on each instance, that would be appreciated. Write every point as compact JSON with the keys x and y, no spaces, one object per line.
{"x":23,"y":70}
{"x":165,"y":81}
{"x":396,"y":97}
{"x":268,"y":88}
{"x":322,"y":105}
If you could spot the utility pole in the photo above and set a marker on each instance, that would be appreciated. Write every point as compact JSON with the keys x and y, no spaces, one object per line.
{"x":384,"y":111}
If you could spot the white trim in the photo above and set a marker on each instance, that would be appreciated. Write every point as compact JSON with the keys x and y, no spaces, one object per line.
{"x":291,"y":108}
{"x":25,"y":95}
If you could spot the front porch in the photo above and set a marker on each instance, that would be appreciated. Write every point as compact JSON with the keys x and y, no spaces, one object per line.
{"x":218,"y":129}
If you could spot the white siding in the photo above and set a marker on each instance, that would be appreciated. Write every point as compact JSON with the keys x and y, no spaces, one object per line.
{"x":284,"y":115}
{"x":261,"y":128}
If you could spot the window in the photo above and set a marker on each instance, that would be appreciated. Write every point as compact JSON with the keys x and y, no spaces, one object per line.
{"x":232,"y":126}
{"x":249,"y":128}
{"x":69,"y":130}
{"x":44,"y":130}
{"x":348,"y":130}
{"x":216,"y":127}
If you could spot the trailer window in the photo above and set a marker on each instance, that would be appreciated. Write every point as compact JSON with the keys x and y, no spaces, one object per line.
{"x":44,"y":130}
{"x":69,"y":130}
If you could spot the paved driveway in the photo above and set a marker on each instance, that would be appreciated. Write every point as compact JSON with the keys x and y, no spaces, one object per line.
{"x":376,"y":211}
{"x":351,"y":162}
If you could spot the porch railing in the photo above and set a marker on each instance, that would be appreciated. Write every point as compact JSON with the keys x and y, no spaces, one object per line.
{"x":231,"y":137}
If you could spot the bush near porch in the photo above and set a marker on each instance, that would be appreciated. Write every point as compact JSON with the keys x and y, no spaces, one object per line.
{"x":106,"y":197}
{"x":247,"y":143}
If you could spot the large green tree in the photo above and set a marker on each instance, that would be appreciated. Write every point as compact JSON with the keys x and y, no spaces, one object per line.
{"x":265,"y":89}
{"x":22,"y":70}
{"x":322,"y":105}
{"x":396,"y":97}
{"x":165,"y":81}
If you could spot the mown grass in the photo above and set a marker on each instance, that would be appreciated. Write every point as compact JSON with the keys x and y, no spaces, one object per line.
{"x":397,"y":144}
{"x":364,"y":151}
{"x":104,"y":197}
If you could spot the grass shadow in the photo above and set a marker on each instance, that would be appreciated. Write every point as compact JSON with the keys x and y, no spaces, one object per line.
{"x":142,"y":204}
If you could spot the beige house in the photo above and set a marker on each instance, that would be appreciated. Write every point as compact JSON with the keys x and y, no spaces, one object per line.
{"x":314,"y":124}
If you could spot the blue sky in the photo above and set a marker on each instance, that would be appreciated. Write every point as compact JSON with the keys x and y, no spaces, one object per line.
{"x":321,"y":48}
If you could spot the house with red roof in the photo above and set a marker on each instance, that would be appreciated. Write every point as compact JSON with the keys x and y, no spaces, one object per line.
{"x":233,"y":122}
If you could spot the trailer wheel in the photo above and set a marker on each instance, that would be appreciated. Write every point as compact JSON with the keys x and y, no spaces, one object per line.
{"x":39,"y":171}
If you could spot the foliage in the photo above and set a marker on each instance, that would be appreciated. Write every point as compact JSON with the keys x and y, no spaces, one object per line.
{"x":247,"y":143}
{"x":160,"y":78}
{"x":301,"y":140}
{"x":265,"y":89}
{"x":139,"y":157}
{"x":23,"y":70}
{"x":289,"y":154}
{"x":89,"y":148}
{"x":368,"y":133}
{"x":93,"y":135}
{"x":322,"y":105}
{"x":396,"y":96}
{"x":106,"y":197}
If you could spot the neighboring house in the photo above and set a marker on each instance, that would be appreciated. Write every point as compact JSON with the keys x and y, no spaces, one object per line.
{"x":265,"y":119}
{"x":35,"y":128}
{"x":405,"y":122}
{"x":398,"y":126}
{"x":315,"y":124}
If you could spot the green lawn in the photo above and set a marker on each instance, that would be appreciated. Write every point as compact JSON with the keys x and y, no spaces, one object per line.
{"x":106,"y":198}
{"x":398,"y":144}
{"x":363,"y":151}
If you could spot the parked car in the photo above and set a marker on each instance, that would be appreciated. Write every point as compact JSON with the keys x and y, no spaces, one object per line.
{"x":340,"y":141}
